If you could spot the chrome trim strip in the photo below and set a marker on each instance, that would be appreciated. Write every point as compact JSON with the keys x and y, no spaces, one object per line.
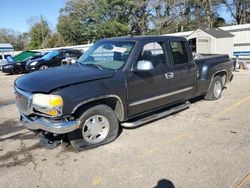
{"x":100,"y":97}
{"x":160,"y":96}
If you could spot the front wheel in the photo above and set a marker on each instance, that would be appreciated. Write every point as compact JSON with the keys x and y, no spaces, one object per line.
{"x":17,"y":70}
{"x":43,"y":67}
{"x":98,"y":125}
{"x":215,"y":89}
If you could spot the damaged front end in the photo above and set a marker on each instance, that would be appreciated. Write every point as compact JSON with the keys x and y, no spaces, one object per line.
{"x":51,"y":129}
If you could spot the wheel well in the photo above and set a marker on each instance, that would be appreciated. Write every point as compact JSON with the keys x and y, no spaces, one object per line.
{"x":112,"y":102}
{"x":223,"y":75}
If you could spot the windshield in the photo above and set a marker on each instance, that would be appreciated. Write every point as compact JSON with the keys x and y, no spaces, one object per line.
{"x":107,"y":54}
{"x":51,"y":54}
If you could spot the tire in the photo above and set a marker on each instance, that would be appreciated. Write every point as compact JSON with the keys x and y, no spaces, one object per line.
{"x":42,"y":67}
{"x":98,"y":126}
{"x":215,"y":89}
{"x":17,"y":70}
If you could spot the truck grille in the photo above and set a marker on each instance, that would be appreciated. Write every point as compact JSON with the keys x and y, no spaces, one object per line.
{"x":22,"y":100}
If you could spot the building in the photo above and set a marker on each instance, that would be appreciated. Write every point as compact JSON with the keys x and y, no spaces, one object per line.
{"x":5,"y":48}
{"x":241,"y":39}
{"x":211,"y":41}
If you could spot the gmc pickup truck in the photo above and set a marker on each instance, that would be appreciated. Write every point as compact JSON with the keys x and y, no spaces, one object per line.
{"x":122,"y":81}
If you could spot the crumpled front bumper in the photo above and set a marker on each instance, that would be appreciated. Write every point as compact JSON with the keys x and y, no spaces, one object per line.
{"x":52,"y":126}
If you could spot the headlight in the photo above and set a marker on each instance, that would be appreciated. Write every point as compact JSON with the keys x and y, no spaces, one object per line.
{"x":48,"y":104}
{"x":33,"y":63}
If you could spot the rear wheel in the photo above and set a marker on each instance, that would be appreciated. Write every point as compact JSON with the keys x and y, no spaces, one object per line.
{"x":17,"y":70}
{"x":215,"y":89}
{"x":98,"y":125}
{"x":42,"y":67}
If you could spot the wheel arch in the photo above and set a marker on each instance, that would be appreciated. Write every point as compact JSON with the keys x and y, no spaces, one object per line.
{"x":113,"y":101}
{"x":223,"y":74}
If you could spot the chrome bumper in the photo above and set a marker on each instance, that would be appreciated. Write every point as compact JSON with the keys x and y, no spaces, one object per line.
{"x":57,"y":127}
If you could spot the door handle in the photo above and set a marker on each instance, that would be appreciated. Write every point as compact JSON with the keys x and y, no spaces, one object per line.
{"x":169,"y":75}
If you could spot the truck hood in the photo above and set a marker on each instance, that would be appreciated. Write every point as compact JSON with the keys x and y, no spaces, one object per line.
{"x":46,"y":80}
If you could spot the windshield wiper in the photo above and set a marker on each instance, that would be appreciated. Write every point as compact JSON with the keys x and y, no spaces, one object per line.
{"x":93,"y":65}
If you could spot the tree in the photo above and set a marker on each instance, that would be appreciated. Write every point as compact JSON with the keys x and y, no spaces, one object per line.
{"x":54,"y":40}
{"x":238,"y":10}
{"x":219,"y":22}
{"x":17,"y":39}
{"x":39,"y":33}
{"x":83,"y":21}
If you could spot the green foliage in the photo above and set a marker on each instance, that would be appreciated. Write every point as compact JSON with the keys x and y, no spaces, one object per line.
{"x":81,"y":21}
{"x":111,"y":28}
{"x":54,"y":40}
{"x":219,"y":22}
{"x":38,"y":34}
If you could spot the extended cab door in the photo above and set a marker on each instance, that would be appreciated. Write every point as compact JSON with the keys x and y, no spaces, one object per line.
{"x":184,"y":70}
{"x":149,"y":90}
{"x":171,"y":80}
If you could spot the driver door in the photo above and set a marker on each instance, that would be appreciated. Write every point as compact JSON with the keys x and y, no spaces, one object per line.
{"x":147,"y":89}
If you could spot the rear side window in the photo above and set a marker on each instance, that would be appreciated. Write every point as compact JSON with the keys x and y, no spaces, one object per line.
{"x":179,"y":52}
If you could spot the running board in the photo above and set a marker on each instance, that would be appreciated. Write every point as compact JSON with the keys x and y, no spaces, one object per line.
{"x":156,"y":116}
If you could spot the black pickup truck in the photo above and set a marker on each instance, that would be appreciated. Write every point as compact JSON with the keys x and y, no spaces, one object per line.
{"x":122,"y":81}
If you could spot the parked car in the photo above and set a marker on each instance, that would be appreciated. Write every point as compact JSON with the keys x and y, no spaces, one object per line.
{"x":123,"y":81}
{"x":52,"y":59}
{"x":19,"y":67}
{"x":24,"y":55}
{"x":3,"y":60}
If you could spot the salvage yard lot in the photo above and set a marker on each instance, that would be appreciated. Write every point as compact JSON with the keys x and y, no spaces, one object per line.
{"x":207,"y":145}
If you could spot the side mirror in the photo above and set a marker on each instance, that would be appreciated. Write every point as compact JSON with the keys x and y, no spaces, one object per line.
{"x":144,"y":65}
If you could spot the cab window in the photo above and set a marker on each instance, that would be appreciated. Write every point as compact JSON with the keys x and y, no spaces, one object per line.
{"x":179,"y":52}
{"x":154,"y":52}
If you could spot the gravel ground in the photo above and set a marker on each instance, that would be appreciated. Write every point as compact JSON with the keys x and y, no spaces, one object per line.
{"x":207,"y":145}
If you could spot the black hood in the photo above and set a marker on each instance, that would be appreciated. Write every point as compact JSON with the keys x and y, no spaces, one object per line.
{"x":46,"y":80}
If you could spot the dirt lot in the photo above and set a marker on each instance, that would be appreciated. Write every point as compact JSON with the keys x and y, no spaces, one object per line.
{"x":207,"y":145}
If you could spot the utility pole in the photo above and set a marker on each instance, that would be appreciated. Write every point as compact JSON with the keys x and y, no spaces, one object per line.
{"x":209,"y":13}
{"x":42,"y":32}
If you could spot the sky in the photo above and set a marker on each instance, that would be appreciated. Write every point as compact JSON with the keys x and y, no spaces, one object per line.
{"x":14,"y":14}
